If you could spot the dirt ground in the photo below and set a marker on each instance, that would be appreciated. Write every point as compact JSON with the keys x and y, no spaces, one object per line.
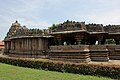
{"x":111,"y":62}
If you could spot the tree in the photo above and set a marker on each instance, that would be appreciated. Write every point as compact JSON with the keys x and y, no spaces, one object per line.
{"x":53,"y":26}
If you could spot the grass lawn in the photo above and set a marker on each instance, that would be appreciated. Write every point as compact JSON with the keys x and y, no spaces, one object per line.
{"x":9,"y":72}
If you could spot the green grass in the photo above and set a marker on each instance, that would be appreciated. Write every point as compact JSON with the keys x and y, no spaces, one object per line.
{"x":9,"y":72}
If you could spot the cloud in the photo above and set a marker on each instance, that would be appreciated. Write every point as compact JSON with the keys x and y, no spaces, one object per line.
{"x":44,"y":13}
{"x":34,"y":24}
{"x":111,"y":17}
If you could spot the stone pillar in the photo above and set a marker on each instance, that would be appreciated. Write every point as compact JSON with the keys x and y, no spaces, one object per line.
{"x":19,"y":44}
{"x":36,"y":44}
{"x":6,"y":47}
{"x":99,"y":42}
{"x":31,"y":44}
{"x":100,"y":39}
{"x":78,"y":41}
{"x":40,"y":43}
{"x":22,"y":44}
{"x":26,"y":44}
{"x":60,"y":41}
{"x":103,"y":42}
{"x":117,"y":42}
{"x":15,"y":44}
{"x":20,"y":48}
{"x":30,"y":41}
{"x":79,"y":37}
{"x":11,"y":45}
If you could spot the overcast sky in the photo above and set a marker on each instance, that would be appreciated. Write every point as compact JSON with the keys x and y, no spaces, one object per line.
{"x":43,"y":13}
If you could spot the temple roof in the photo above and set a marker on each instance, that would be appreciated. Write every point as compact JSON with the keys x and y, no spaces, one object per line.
{"x":13,"y":28}
{"x":72,"y":26}
{"x":94,"y":28}
{"x":112,"y":28}
{"x":69,"y":26}
{"x":16,"y":23}
{"x":18,"y":31}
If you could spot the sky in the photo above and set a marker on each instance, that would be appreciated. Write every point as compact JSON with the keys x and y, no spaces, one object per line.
{"x":43,"y":13}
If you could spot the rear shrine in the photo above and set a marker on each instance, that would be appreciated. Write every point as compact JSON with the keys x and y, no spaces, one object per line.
{"x":68,"y":41}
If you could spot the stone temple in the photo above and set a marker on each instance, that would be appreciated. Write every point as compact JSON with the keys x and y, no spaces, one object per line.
{"x":69,"y":41}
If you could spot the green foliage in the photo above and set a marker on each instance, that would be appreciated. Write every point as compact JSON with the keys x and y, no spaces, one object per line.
{"x":110,"y":41}
{"x":86,"y":69}
{"x":53,"y":26}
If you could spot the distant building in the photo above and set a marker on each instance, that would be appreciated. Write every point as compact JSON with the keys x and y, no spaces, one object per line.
{"x":1,"y":46}
{"x":72,"y":41}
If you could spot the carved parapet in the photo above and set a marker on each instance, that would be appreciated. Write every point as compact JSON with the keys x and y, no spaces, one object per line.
{"x":69,"y":26}
{"x":30,"y":32}
{"x":95,"y":28}
{"x":112,"y":28}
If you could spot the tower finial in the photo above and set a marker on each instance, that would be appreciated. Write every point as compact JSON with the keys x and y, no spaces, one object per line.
{"x":16,"y":21}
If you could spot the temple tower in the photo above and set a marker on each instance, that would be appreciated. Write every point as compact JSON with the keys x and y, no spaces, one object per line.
{"x":13,"y":28}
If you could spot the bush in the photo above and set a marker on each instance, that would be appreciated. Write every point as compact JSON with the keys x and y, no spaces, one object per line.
{"x":86,"y":69}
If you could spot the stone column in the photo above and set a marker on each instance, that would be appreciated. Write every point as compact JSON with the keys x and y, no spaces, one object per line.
{"x":26,"y":44}
{"x":11,"y":45}
{"x":99,"y":42}
{"x":39,"y":44}
{"x":117,"y":42}
{"x":29,"y":44}
{"x":23,"y":45}
{"x":19,"y":44}
{"x":100,"y":38}
{"x":78,"y":41}
{"x":6,"y":45}
{"x":103,"y":42}
{"x":79,"y":37}
{"x":36,"y":43}
{"x":60,"y":41}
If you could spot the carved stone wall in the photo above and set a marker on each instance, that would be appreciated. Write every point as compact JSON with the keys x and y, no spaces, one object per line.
{"x":112,"y":28}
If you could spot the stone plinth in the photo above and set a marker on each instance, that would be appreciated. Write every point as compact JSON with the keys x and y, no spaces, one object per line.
{"x":114,"y":52}
{"x":27,"y":54}
{"x":75,"y":53}
{"x":99,"y":53}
